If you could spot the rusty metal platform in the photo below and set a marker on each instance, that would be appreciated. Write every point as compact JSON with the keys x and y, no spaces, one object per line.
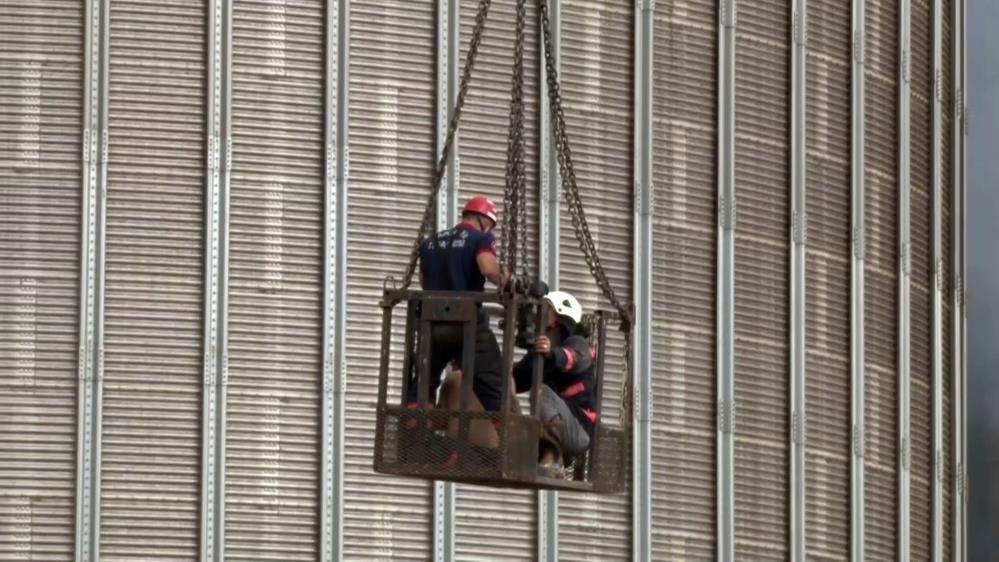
{"x":423,"y":441}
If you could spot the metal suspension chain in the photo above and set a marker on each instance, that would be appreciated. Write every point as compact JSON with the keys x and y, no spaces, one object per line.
{"x":521,"y":232}
{"x":513,"y":238}
{"x":466,"y":78}
{"x":579,"y":223}
{"x":521,"y":199}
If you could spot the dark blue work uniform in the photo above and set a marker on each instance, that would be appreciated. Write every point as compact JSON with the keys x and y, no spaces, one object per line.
{"x":568,"y":371}
{"x":448,"y":262}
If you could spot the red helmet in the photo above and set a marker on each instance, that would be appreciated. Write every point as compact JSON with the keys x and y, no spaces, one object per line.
{"x":483,"y":206}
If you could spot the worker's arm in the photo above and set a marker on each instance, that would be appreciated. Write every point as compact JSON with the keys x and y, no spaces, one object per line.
{"x":421,"y":279}
{"x":489,"y":266}
{"x":573,"y":357}
{"x":485,"y":258}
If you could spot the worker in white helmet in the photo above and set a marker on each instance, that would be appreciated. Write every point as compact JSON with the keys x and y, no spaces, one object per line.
{"x":568,"y":404}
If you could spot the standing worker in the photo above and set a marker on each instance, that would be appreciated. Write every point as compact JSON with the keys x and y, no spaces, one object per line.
{"x":462,"y":258}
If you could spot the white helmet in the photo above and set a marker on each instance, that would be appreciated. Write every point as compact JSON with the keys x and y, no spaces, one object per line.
{"x":565,"y":305}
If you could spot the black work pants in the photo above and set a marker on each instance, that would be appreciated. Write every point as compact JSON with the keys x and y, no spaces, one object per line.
{"x":446,"y":346}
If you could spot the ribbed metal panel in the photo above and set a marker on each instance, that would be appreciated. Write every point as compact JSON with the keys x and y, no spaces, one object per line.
{"x":150,"y":473}
{"x":881,"y":272}
{"x":684,"y":246}
{"x":597,"y":88}
{"x":922,"y":271}
{"x":827,"y":271}
{"x":41,"y":105}
{"x":947,"y":230}
{"x":491,"y":526}
{"x":275,"y":311}
{"x":482,"y":164}
{"x":392,"y":140}
{"x":948,"y":371}
{"x":761,"y":281}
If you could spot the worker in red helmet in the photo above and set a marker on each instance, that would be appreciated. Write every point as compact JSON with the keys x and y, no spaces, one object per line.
{"x":463,"y":258}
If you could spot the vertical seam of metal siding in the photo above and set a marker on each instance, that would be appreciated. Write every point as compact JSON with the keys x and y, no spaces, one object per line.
{"x":547,"y":161}
{"x":340,"y":297}
{"x":798,"y":233}
{"x":447,"y":30}
{"x":101,"y":231}
{"x":857,"y":286}
{"x":937,"y":272}
{"x":91,"y":348}
{"x":726,"y":279}
{"x":334,"y":285}
{"x":222,"y":353}
{"x":548,"y":225}
{"x":904,"y":180}
{"x":642,"y":279}
{"x":215,"y":365}
{"x":330,"y":278}
{"x":343,"y":202}
{"x":964,"y":276}
{"x":957,"y":279}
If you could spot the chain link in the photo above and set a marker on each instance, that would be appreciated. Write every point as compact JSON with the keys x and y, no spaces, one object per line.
{"x":579,"y":224}
{"x":567,"y":170}
{"x":466,"y":79}
{"x":514,"y":235}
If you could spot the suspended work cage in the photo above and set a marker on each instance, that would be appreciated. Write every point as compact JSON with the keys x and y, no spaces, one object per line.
{"x":434,"y":443}
{"x":425,"y":440}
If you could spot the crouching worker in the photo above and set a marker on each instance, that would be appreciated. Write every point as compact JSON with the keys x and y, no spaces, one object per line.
{"x":567,"y":407}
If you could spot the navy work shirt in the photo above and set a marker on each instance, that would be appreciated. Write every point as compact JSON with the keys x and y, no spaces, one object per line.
{"x":569,"y":370}
{"x":448,"y":259}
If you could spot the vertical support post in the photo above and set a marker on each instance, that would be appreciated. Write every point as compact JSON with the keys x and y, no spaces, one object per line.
{"x":448,"y":38}
{"x":642,"y":279}
{"x":937,"y":282}
{"x":216,"y":358}
{"x":857,"y":197}
{"x":91,"y":349}
{"x":799,"y":230}
{"x":334,"y":279}
{"x":904,"y":277}
{"x":957,"y":279}
{"x":549,"y":251}
{"x":547,"y":157}
{"x":727,"y":21}
{"x":963,"y":295}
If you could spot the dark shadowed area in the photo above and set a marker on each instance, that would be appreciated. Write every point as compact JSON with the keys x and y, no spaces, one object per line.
{"x":983,"y":279}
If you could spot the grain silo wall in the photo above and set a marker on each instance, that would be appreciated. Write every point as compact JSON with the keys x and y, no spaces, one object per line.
{"x":200,"y":200}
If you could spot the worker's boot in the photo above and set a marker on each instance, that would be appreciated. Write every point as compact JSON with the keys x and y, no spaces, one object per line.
{"x":550,"y":449}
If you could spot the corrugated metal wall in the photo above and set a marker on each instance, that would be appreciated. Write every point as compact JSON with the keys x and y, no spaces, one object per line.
{"x":827,"y":278}
{"x":151,"y":456}
{"x":393,"y":89}
{"x":762,"y":273}
{"x":881,"y":280}
{"x":151,"y":436}
{"x":597,"y":94}
{"x":947,"y":240}
{"x":275,"y":281}
{"x":41,"y":113}
{"x":921,"y":335}
{"x":493,"y":524}
{"x":685,"y":242}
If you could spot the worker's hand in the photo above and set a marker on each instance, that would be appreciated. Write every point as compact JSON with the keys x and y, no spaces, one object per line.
{"x":543,"y":345}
